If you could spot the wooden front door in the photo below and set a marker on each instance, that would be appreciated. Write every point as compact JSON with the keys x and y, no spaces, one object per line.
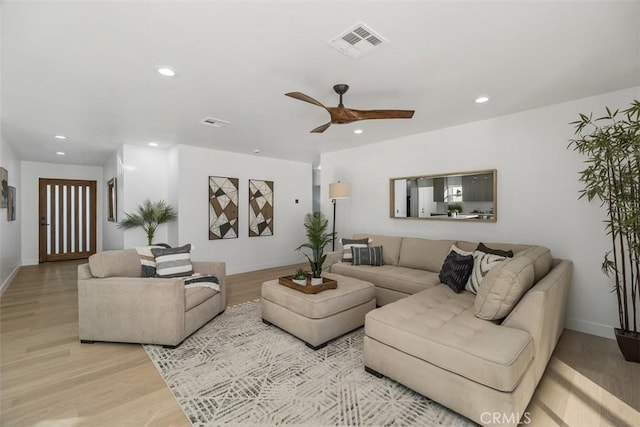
{"x":67,"y":212}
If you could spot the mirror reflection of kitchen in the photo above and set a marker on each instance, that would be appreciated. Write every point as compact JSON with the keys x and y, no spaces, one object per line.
{"x":461,"y":196}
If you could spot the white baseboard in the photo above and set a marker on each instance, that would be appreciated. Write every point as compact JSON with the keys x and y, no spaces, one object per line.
{"x":592,"y":328}
{"x":30,"y":262}
{"x":5,"y":284}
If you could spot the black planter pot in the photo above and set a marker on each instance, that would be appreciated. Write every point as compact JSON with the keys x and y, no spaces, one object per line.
{"x":629,"y":344}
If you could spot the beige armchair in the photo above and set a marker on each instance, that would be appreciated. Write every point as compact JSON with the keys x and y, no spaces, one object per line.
{"x":116,"y":304}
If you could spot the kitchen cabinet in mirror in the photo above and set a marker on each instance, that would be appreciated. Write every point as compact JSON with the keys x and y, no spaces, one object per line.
{"x":456,"y":196}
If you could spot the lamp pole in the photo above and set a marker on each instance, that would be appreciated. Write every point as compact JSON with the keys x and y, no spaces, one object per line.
{"x":337,"y":190}
{"x":333,"y":236}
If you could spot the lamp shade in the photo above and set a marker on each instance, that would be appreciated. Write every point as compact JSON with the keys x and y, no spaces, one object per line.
{"x":339,"y":190}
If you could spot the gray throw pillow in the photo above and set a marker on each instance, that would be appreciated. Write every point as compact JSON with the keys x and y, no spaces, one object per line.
{"x":367,"y":256}
{"x":347,"y":244}
{"x":173,"y":262}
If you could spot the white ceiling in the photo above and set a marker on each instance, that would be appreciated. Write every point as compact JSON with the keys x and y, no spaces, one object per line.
{"x":87,"y":69}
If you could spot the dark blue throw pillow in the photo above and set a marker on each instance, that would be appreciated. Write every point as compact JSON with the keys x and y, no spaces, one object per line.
{"x":456,"y":270}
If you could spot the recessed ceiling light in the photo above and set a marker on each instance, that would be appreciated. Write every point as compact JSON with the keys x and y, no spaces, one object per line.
{"x":482,"y":99}
{"x":61,"y":153}
{"x":60,"y":137}
{"x":358,"y":131}
{"x":166,"y":71}
{"x":153,"y":144}
{"x":256,"y":151}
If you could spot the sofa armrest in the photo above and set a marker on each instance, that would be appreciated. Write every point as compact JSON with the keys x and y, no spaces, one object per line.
{"x":542,"y":312}
{"x":218,"y":269}
{"x":131,"y":309}
{"x":332,"y":258}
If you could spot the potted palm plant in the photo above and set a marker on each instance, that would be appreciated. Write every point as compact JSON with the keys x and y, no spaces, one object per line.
{"x":316,"y":226}
{"x":149,"y":216}
{"x":611,"y":144}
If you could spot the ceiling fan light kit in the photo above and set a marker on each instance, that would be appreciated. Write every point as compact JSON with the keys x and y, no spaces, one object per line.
{"x":343,"y":115}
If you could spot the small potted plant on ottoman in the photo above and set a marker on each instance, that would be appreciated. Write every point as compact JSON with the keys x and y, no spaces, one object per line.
{"x":300,"y":277}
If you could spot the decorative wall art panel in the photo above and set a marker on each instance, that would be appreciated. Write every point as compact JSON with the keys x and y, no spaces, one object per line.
{"x":260,"y":208}
{"x":4,"y":189}
{"x":223,"y":208}
{"x":11,"y":204}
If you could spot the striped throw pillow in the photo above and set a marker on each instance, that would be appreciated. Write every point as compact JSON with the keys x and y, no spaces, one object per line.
{"x":482,"y":263}
{"x":174,"y":262}
{"x":347,"y":244}
{"x":367,"y":256}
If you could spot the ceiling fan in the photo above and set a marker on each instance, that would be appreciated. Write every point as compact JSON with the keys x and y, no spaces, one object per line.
{"x":341,"y":114}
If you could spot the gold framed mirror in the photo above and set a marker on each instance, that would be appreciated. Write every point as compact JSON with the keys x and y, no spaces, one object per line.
{"x":112,"y":200}
{"x":456,"y":196}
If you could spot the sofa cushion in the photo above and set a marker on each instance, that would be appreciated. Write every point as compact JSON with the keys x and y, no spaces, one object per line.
{"x":401,"y":279}
{"x":438,"y":326}
{"x":347,"y":244}
{"x":173,"y":262}
{"x":456,"y":270}
{"x":391,"y":246}
{"x":502,"y":288}
{"x":367,"y":256}
{"x":482,"y":264}
{"x":115,"y":263}
{"x":425,"y":254}
{"x":541,"y":260}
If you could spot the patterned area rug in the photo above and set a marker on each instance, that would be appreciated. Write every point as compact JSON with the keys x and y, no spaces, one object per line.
{"x":237,"y":370}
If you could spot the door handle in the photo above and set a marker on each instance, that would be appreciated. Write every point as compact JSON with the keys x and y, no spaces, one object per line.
{"x":43,"y":222}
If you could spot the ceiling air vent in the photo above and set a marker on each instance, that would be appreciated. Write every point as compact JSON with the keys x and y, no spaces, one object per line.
{"x":216,"y":123}
{"x":357,"y":40}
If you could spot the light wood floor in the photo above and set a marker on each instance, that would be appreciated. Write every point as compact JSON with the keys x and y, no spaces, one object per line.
{"x":47,"y":378}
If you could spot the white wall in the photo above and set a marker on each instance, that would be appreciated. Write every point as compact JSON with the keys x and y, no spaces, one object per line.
{"x":144,"y":177}
{"x":31,"y":172}
{"x":113,"y":237}
{"x":10,"y":244}
{"x":173,"y":191}
{"x":537,"y":192}
{"x":292,"y":180}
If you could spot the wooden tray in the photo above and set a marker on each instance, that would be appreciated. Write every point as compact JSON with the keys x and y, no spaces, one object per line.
{"x":309,"y":289}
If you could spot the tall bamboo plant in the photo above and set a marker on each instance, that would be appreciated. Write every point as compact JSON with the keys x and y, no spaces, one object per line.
{"x":611,"y":144}
{"x":316,"y":226}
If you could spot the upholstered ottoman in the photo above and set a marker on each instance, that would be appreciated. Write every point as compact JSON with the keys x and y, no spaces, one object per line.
{"x":318,"y":318}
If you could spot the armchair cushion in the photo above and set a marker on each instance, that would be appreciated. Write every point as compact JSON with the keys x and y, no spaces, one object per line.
{"x":116,"y":263}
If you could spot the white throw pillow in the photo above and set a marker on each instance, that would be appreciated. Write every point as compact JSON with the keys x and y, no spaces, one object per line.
{"x":482,"y":263}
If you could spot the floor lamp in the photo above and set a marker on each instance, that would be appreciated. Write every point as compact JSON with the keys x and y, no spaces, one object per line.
{"x":337,"y":190}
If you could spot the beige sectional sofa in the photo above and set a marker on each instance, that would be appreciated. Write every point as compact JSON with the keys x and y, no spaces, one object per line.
{"x":116,"y":304}
{"x":430,"y":339}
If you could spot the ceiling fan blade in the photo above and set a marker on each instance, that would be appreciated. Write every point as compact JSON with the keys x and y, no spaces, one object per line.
{"x":322,"y":128}
{"x":302,"y":97}
{"x":382,"y":114}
